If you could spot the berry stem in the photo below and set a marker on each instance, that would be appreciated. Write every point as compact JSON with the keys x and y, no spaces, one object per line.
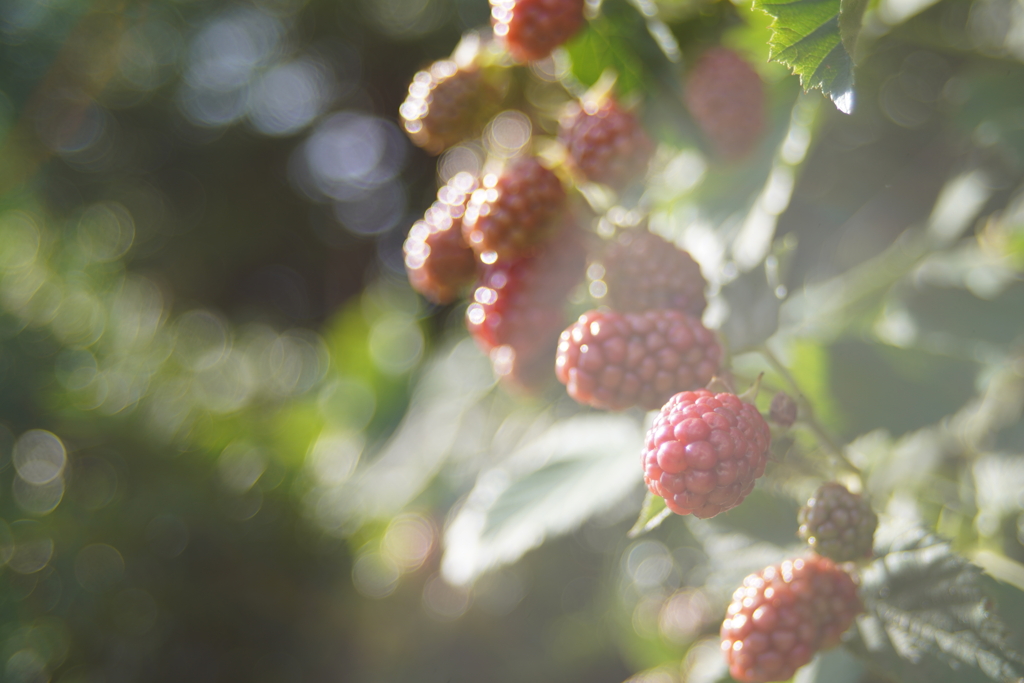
{"x":807,"y":416}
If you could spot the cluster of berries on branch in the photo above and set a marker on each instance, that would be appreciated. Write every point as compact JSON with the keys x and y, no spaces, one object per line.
{"x":515,"y":241}
{"x":781,"y":617}
{"x":515,"y":238}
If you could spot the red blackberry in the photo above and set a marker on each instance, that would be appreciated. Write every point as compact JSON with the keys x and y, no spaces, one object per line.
{"x":726,"y":97}
{"x":780,"y":617}
{"x":533,"y":28}
{"x":514,"y":211}
{"x":644,"y":272}
{"x":448,"y":104}
{"x":606,"y":143}
{"x":437,"y":259}
{"x":704,"y":452}
{"x":521,"y":305}
{"x":615,"y":361}
{"x":838,"y":524}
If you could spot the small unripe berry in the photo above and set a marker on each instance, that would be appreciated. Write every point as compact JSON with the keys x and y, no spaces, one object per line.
{"x":838,"y":524}
{"x":783,"y":409}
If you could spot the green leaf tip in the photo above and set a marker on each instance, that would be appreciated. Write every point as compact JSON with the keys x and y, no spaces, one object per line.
{"x":652,"y":514}
{"x":806,"y":37}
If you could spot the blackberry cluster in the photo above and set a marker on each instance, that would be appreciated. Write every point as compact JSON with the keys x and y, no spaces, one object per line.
{"x":838,"y":524}
{"x":780,"y":617}
{"x":531,"y":29}
{"x":726,"y":98}
{"x":704,"y":451}
{"x":605,"y":143}
{"x":613,"y":360}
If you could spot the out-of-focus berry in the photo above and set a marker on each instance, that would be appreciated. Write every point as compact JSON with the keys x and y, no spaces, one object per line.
{"x":614,"y":361}
{"x":448,"y":104}
{"x":533,"y":28}
{"x":606,"y":143}
{"x":514,"y":211}
{"x":645,"y":272}
{"x":726,"y":98}
{"x":437,"y":259}
{"x":783,"y":409}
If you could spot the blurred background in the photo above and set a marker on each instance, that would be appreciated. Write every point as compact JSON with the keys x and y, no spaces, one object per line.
{"x":235,"y":446}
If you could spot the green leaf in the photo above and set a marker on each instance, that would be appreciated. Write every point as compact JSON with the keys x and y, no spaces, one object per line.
{"x":832,"y":666}
{"x":851,"y":12}
{"x":806,"y":37}
{"x":577,"y":468}
{"x":453,"y":382}
{"x":753,"y":311}
{"x":652,"y":514}
{"x":928,"y":620}
{"x":607,"y":45}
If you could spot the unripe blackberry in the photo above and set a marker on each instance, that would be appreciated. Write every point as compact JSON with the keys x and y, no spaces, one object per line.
{"x":645,"y":272}
{"x":437,"y":259}
{"x":780,"y":617}
{"x":448,"y":104}
{"x":511,"y":213}
{"x":533,"y":28}
{"x":606,"y":144}
{"x":704,"y":452}
{"x":521,"y":304}
{"x":838,"y":524}
{"x":783,"y":409}
{"x":615,"y":361}
{"x":726,"y":98}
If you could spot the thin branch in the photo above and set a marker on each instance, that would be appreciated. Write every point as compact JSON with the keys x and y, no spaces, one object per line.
{"x":807,"y":416}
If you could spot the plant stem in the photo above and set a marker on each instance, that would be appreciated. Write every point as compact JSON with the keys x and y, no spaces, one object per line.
{"x":807,"y":416}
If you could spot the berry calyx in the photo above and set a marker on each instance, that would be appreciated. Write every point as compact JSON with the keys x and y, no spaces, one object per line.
{"x":448,"y":104}
{"x":437,"y":259}
{"x":838,"y":524}
{"x":704,"y":451}
{"x":511,"y":213}
{"x":642,"y":272}
{"x":614,"y":361}
{"x":605,"y":143}
{"x":531,"y":29}
{"x":726,"y":98}
{"x":780,"y":617}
